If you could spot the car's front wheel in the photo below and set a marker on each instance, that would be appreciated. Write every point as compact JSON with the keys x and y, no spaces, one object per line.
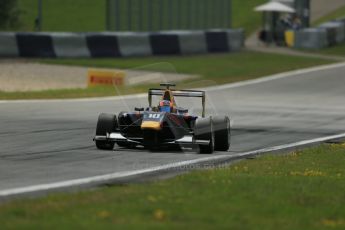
{"x":107,"y":123}
{"x":221,"y":127}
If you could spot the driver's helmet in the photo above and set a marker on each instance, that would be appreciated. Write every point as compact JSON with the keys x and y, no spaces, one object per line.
{"x":165,"y":106}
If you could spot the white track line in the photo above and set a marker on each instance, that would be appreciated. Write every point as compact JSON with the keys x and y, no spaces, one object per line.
{"x":183,"y":164}
{"x":212,"y":88}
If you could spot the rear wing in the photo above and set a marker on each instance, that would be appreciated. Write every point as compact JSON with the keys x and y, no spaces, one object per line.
{"x":179,"y":93}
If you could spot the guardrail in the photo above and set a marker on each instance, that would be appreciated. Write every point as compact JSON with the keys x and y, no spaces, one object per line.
{"x":119,"y":44}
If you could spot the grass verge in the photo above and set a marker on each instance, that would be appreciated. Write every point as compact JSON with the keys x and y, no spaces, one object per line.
{"x":301,"y":190}
{"x":213,"y":69}
{"x":338,"y":50}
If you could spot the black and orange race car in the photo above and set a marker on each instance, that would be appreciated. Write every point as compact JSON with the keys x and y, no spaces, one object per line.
{"x":164,"y":125}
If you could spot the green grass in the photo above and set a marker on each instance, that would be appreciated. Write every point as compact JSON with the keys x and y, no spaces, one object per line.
{"x":338,"y":50}
{"x":301,"y":190}
{"x":64,"y":15}
{"x":213,"y":69}
{"x":220,"y":68}
{"x":89,"y":15}
{"x":97,"y":91}
{"x":244,"y":15}
{"x":339,"y":13}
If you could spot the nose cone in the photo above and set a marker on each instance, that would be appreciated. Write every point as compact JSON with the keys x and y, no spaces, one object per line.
{"x":151,"y":125}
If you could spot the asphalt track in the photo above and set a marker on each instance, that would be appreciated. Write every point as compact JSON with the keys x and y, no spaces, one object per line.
{"x":44,"y":142}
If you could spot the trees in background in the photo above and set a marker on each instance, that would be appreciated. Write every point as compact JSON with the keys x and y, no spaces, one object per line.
{"x":9,"y":14}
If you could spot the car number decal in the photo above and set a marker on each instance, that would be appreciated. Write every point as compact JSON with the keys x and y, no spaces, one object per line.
{"x":154,"y":116}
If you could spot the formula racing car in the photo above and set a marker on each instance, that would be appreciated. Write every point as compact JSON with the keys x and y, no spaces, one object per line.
{"x":164,"y":125}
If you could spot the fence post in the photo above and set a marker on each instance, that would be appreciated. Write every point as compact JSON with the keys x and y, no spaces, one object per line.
{"x":140,"y":18}
{"x":220,"y":16}
{"x":198,"y":15}
{"x":149,"y":15}
{"x":179,"y":9}
{"x":161,"y":13}
{"x":117,"y":15}
{"x":171,"y":23}
{"x":190,"y":14}
{"x":38,"y":20}
{"x":129,"y":15}
{"x":206,"y":13}
{"x":228,"y":14}
{"x":225,"y":11}
{"x":107,"y":14}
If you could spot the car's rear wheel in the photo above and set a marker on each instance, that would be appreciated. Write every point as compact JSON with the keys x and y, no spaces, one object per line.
{"x":222,"y":133}
{"x":107,"y":123}
{"x":203,"y":131}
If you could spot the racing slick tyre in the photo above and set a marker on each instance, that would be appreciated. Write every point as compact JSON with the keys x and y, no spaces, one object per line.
{"x":107,"y":123}
{"x":203,"y":131}
{"x":221,"y":128}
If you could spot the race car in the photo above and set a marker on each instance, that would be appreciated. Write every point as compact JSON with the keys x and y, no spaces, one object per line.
{"x":164,"y":125}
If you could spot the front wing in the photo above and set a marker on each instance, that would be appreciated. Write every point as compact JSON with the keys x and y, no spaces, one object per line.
{"x":187,"y":140}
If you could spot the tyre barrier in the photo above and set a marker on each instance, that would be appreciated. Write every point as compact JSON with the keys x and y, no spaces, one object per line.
{"x":119,"y":44}
{"x":8,"y":45}
{"x":311,"y":38}
{"x":336,"y":31}
{"x":326,"y":35}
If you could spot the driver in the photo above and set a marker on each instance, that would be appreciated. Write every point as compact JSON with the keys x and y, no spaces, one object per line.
{"x":165,"y":106}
